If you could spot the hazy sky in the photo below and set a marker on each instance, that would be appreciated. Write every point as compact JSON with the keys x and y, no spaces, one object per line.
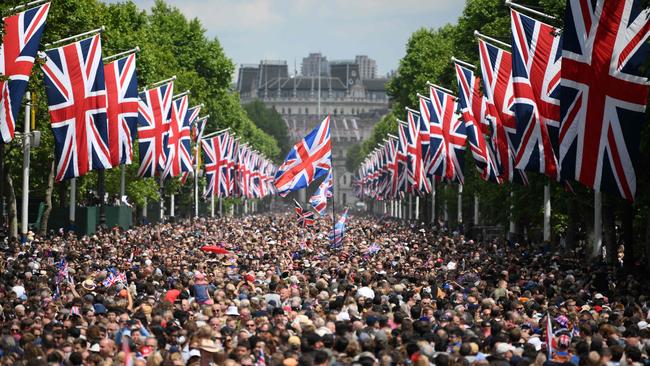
{"x":251,"y":30}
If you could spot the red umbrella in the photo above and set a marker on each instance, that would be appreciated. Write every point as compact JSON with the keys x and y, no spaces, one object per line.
{"x":214,"y":249}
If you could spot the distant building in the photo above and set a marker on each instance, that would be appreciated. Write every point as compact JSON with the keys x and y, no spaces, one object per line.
{"x":310,"y":65}
{"x":355,"y":104}
{"x":367,"y":67}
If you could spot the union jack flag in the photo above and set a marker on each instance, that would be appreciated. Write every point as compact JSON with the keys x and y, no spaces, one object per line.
{"x":178,"y":158}
{"x":22,"y":36}
{"x":338,"y":233}
{"x":603,"y":97}
{"x":402,"y":158}
{"x":417,"y":178}
{"x":198,"y":126}
{"x":122,"y":108}
{"x":449,"y":131}
{"x":305,"y":218}
{"x":536,"y":63}
{"x":393,"y":167}
{"x":76,"y":95}
{"x":319,"y":200}
{"x":308,"y":160}
{"x":496,"y":65}
{"x":210,"y":160}
{"x":110,"y":280}
{"x":154,"y":108}
{"x":473,"y":109}
{"x":233,"y":166}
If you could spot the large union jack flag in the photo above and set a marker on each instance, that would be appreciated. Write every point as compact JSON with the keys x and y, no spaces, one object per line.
{"x":417,"y":176}
{"x":308,"y":160}
{"x":178,"y":158}
{"x":76,"y":95}
{"x":122,"y":108}
{"x":536,"y":63}
{"x":496,"y":65}
{"x":473,"y":108}
{"x":154,"y":109}
{"x":603,"y":97}
{"x":449,"y":131}
{"x":215,"y":164}
{"x":22,"y":36}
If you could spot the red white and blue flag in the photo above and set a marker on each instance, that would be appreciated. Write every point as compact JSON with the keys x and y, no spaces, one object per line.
{"x":603,"y":96}
{"x":178,"y":157}
{"x":473,"y":110}
{"x":122,"y":108}
{"x":337,"y":235}
{"x":402,"y":158}
{"x":319,"y":199}
{"x":536,"y":64}
{"x":22,"y":36}
{"x":307,"y":161}
{"x":210,"y":159}
{"x":305,"y":218}
{"x":76,"y":95}
{"x":449,"y":131}
{"x":496,"y":65}
{"x":154,"y":109}
{"x":416,"y":175}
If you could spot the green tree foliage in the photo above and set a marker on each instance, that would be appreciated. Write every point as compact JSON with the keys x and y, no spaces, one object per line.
{"x":271,"y":122}
{"x":170,"y":45}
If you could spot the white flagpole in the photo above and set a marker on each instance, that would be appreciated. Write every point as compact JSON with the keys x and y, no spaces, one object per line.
{"x":220,"y":207}
{"x":410,"y":209}
{"x":162,"y":198}
{"x":212,"y":206}
{"x":63,"y":40}
{"x":122,"y":182}
{"x":172,"y":205}
{"x":547,"y":212}
{"x":26,"y":149}
{"x":73,"y":201}
{"x":417,"y":208}
{"x":476,"y":209}
{"x":460,"y":204}
{"x":513,"y":227}
{"x":598,"y":225}
{"x":144,"y":208}
{"x":433,"y":200}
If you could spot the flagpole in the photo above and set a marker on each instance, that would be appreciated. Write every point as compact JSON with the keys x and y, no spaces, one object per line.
{"x":547,"y":211}
{"x":63,"y":40}
{"x":433,"y":199}
{"x":26,"y":149}
{"x":162,"y":198}
{"x":460,"y":205}
{"x":122,"y":182}
{"x":598,"y":225}
{"x":22,"y":6}
{"x":73,"y":203}
{"x":100,"y":194}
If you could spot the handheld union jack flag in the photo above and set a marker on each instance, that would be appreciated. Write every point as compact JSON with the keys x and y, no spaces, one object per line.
{"x":154,"y":109}
{"x":122,"y":108}
{"x":536,"y":63}
{"x":603,"y":97}
{"x":319,"y":199}
{"x":337,"y":235}
{"x":305,"y":218}
{"x":496,"y":65}
{"x":76,"y":95}
{"x":22,"y":36}
{"x":308,"y":160}
{"x":178,"y":158}
{"x":473,"y":109}
{"x":448,"y":130}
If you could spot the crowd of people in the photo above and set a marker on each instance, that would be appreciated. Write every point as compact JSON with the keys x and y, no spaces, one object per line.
{"x":278,"y":294}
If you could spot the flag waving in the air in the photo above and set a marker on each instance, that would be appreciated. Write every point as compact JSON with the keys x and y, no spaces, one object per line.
{"x":308,"y":160}
{"x":319,"y":199}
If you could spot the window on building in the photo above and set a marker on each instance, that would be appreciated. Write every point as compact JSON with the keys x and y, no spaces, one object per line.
{"x":289,"y":110}
{"x":306,"y":110}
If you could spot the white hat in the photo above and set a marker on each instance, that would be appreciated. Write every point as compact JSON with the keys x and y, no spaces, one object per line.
{"x":535,"y":341}
{"x":94,"y":348}
{"x":643,"y":325}
{"x":599,"y":296}
{"x":194,"y":353}
{"x":504,"y":347}
{"x":232,"y":310}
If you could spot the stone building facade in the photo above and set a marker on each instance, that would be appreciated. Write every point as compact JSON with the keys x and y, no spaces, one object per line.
{"x":355,"y":106}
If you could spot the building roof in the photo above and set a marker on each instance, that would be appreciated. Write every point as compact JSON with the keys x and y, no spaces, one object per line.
{"x":304,"y":83}
{"x":375,"y":84}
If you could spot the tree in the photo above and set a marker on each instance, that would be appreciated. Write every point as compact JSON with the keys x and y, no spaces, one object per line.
{"x":270,"y":122}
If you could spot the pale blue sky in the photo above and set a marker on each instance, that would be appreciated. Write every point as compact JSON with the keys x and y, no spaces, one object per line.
{"x":251,"y":30}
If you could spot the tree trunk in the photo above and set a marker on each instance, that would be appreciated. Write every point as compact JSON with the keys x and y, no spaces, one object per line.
{"x":609,"y":206}
{"x":48,"y":201}
{"x":11,"y":205}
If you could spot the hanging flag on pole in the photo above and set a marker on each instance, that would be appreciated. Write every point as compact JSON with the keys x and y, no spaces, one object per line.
{"x":122,"y":108}
{"x":603,"y":96}
{"x":154,"y":108}
{"x":22,"y":37}
{"x":178,"y":158}
{"x":447,"y":130}
{"x":309,"y":159}
{"x":319,"y":200}
{"x":536,"y":63}
{"x":76,"y":94}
